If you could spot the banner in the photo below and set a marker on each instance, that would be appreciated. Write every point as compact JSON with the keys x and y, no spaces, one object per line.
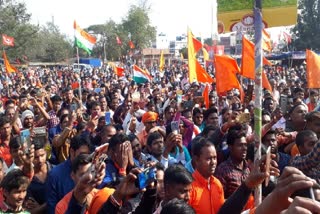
{"x":237,"y":15}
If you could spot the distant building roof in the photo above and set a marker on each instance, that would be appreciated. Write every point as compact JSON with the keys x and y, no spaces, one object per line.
{"x":154,"y":51}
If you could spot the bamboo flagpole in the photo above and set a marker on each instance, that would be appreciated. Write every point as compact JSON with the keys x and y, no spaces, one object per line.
{"x":258,"y":88}
{"x":79,"y":79}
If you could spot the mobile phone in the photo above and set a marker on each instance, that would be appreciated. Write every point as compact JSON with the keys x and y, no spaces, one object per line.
{"x":25,"y":139}
{"x":283,"y":103}
{"x":175,"y":127}
{"x":311,"y":193}
{"x":98,"y":157}
{"x":74,"y":107}
{"x":94,"y":114}
{"x":179,"y":98}
{"x":108,"y":118}
{"x":268,"y":164}
{"x":97,"y":90}
{"x":243,"y":118}
{"x":146,"y":177}
{"x":40,"y":133}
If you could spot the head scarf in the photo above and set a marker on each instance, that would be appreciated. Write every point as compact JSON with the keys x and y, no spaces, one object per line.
{"x":149,"y":116}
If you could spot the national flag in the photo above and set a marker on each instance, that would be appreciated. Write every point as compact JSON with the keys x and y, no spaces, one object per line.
{"x":131,"y":45}
{"x":226,"y":79}
{"x":83,"y":39}
{"x":196,"y":71}
{"x":140,"y":75}
{"x":205,"y":54}
{"x":266,"y":41}
{"x":206,"y":96}
{"x":7,"y":40}
{"x":119,"y":71}
{"x":9,"y":68}
{"x":162,"y":62}
{"x":119,"y":42}
{"x":313,"y":69}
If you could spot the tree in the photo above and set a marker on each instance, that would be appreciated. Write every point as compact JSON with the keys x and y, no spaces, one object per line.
{"x":307,"y":30}
{"x":14,"y":21}
{"x":137,"y":23}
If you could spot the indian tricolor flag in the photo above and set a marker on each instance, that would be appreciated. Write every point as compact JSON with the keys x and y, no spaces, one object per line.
{"x":140,"y":75}
{"x":83,"y":39}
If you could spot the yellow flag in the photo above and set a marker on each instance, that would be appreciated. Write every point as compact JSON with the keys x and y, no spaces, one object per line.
{"x":181,"y":55}
{"x":191,"y":58}
{"x":8,"y":66}
{"x":162,"y":62}
{"x":205,"y":54}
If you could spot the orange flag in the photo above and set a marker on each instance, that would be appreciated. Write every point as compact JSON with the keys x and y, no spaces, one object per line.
{"x":313,"y":69}
{"x":266,"y":41}
{"x":265,"y":82}
{"x":8,"y":66}
{"x":131,"y":45}
{"x":196,"y":71}
{"x":119,"y":71}
{"x":226,"y":79}
{"x":206,"y":96}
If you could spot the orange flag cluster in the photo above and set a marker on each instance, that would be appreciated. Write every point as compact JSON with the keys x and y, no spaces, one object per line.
{"x":196,"y":72}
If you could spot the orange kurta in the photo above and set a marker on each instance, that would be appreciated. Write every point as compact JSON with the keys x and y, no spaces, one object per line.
{"x":205,"y":198}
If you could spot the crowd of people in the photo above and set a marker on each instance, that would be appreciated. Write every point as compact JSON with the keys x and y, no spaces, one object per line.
{"x":93,"y":142}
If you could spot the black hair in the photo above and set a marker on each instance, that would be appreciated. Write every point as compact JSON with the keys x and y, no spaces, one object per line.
{"x":177,"y":174}
{"x":159,"y":166}
{"x":80,"y":160}
{"x":63,"y":117}
{"x":116,"y":139}
{"x":233,"y":135}
{"x":302,"y":135}
{"x":56,"y":98}
{"x":78,"y":141}
{"x":38,"y":144}
{"x":153,"y":136}
{"x":197,"y":147}
{"x":224,"y":110}
{"x":132,"y":137}
{"x":14,"y":180}
{"x":295,"y":106}
{"x":15,"y":143}
{"x":8,"y":102}
{"x":297,"y":90}
{"x":94,"y":104}
{"x":22,"y":96}
{"x":271,"y":131}
{"x":310,"y":117}
{"x":207,"y":129}
{"x":4,"y":120}
{"x":197,"y":111}
{"x":177,"y":206}
{"x":61,"y":110}
{"x":209,"y":111}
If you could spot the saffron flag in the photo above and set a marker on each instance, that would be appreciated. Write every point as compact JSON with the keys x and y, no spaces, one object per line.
{"x":83,"y":39}
{"x":266,"y":41}
{"x":162,"y":62}
{"x":313,"y":69}
{"x":119,"y":42}
{"x":131,"y":45}
{"x":7,"y":40}
{"x":265,"y":82}
{"x":248,"y":61}
{"x":205,"y":54}
{"x":206,"y":96}
{"x":226,"y":79}
{"x":196,"y":71}
{"x":119,"y":71}
{"x":140,"y":75}
{"x":9,"y":68}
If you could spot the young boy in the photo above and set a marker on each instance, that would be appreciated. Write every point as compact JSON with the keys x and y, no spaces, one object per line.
{"x":14,"y":186}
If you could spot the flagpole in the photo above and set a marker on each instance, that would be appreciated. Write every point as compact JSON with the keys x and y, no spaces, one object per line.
{"x":79,"y":80}
{"x":258,"y":88}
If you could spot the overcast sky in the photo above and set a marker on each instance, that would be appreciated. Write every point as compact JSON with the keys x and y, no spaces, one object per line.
{"x":169,"y":16}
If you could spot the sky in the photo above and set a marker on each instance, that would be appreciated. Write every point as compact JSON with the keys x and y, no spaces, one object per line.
{"x":171,"y":17}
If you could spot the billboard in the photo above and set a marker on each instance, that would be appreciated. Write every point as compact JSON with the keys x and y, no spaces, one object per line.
{"x":237,"y":15}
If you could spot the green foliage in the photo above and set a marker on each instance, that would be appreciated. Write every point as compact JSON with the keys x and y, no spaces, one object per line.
{"x":306,"y":32}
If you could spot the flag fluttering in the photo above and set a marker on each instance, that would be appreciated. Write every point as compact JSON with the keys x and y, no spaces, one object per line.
{"x":313,"y":69}
{"x":83,"y":39}
{"x":7,"y":40}
{"x":206,"y":96}
{"x":205,"y":54}
{"x":119,"y":71}
{"x":131,"y":45}
{"x":140,"y":75}
{"x":226,"y":79}
{"x":196,"y":71}
{"x":266,"y":41}
{"x":8,"y":66}
{"x":162,"y":62}
{"x":119,"y":42}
